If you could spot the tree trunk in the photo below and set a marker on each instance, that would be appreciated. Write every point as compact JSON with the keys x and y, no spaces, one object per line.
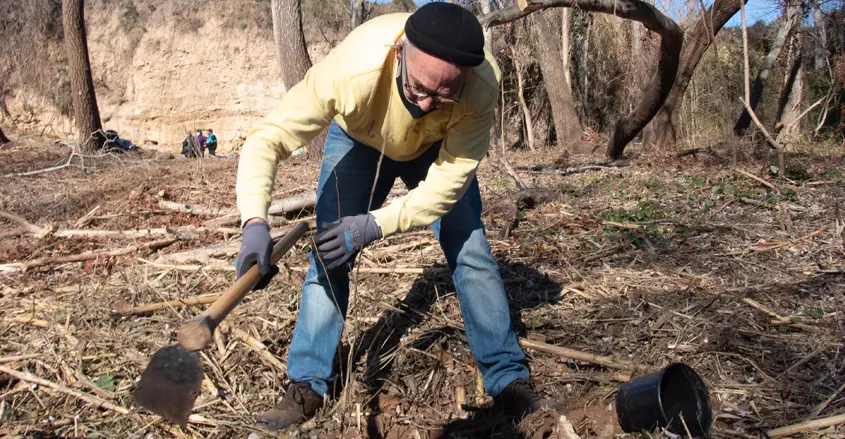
{"x":292,"y":53}
{"x":3,"y":139}
{"x":820,"y":40}
{"x":789,"y":105}
{"x":567,"y":127}
{"x":791,"y":17}
{"x":670,"y":48}
{"x":488,"y":33}
{"x":356,"y":14}
{"x":584,"y":52}
{"x":638,"y":63}
{"x":662,"y":130}
{"x":291,"y":50}
{"x":91,"y":136}
{"x":566,"y":45}
{"x":636,"y":38}
{"x":529,"y":123}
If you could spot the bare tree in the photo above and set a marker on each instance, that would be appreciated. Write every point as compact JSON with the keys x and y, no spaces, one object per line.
{"x":544,"y":31}
{"x":791,"y":17}
{"x":291,"y":50}
{"x":518,"y":65}
{"x":292,"y":53}
{"x":488,"y":33}
{"x":820,"y":37}
{"x":670,"y":48}
{"x":566,"y":44}
{"x":638,"y":64}
{"x":91,"y":136}
{"x":662,"y":129}
{"x":356,"y":13}
{"x":3,"y":139}
{"x":789,"y":104}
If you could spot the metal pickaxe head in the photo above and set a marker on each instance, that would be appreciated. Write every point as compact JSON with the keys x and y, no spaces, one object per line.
{"x":170,"y":384}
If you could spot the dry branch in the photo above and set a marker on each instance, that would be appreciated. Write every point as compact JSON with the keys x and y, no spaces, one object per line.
{"x":572,"y":171}
{"x":823,"y":405}
{"x":214,"y":266}
{"x":581,"y":356}
{"x":509,"y":170}
{"x":50,"y":169}
{"x":756,"y":305}
{"x":31,"y":228}
{"x":260,"y":349}
{"x":294,"y":203}
{"x":670,"y":49}
{"x":186,"y":232}
{"x":18,"y":358}
{"x":91,"y":399}
{"x":178,"y":303}
{"x":757,"y":179}
{"x":23,"y":266}
{"x":194,"y":209}
{"x":807,"y":426}
{"x":87,"y":397}
{"x":746,"y":102}
{"x":28,"y":320}
{"x":224,"y":249}
{"x":87,"y":217}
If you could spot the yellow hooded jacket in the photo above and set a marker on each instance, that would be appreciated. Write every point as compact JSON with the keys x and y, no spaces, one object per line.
{"x":355,"y":86}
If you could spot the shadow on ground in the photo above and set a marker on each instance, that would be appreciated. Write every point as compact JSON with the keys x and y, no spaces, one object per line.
{"x":378,"y":346}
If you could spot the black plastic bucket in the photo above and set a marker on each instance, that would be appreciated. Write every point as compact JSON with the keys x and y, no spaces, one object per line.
{"x":661,"y":398}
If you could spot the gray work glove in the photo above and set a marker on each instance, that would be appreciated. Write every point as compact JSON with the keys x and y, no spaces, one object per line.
{"x":341,"y":240}
{"x":256,"y":248}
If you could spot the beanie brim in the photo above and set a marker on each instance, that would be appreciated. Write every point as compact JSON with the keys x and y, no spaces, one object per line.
{"x":438,"y":50}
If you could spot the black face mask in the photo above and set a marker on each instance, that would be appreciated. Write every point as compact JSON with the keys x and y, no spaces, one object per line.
{"x":415,"y":110}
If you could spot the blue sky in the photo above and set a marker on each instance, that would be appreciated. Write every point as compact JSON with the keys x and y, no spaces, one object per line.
{"x":755,"y":10}
{"x":766,"y":10}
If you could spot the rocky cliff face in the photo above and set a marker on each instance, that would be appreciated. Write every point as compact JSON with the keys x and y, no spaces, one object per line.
{"x":155,"y":82}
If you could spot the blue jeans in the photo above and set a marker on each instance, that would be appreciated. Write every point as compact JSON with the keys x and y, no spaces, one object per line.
{"x":346,"y":179}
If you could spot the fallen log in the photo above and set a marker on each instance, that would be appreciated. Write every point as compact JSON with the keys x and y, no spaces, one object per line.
{"x":225,"y":249}
{"x":87,"y":256}
{"x":292,"y":204}
{"x":185,"y":232}
{"x":194,"y":209}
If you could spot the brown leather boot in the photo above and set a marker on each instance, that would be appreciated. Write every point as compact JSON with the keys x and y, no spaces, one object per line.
{"x":299,"y":404}
{"x":520,"y":399}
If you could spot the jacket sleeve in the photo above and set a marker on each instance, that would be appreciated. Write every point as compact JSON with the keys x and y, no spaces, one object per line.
{"x":304,"y":111}
{"x":466,"y":143}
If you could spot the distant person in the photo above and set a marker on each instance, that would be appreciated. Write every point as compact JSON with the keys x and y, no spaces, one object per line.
{"x":200,"y":139}
{"x":211,"y":142}
{"x":187,"y":151}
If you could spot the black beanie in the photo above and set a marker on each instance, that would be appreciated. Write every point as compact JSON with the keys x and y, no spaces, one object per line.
{"x":447,"y":31}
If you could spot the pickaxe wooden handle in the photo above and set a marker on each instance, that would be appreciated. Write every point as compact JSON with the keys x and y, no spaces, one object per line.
{"x":196,"y":334}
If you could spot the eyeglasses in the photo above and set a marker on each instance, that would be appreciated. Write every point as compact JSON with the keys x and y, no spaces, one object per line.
{"x":414,"y":90}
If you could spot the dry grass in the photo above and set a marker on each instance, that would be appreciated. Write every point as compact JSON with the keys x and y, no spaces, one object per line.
{"x":649,"y":262}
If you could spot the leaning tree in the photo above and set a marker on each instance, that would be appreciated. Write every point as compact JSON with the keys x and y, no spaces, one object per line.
{"x":670,"y":48}
{"x":662,"y":129}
